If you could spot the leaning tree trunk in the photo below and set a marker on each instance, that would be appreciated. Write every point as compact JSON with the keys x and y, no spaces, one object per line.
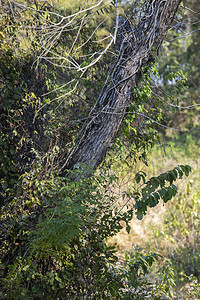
{"x":139,"y":48}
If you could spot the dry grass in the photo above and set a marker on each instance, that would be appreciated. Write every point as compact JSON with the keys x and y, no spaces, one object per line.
{"x":145,"y":232}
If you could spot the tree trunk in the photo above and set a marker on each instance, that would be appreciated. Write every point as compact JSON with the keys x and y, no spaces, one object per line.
{"x":139,"y":48}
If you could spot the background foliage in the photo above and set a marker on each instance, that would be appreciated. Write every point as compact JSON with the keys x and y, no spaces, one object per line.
{"x":56,"y":230}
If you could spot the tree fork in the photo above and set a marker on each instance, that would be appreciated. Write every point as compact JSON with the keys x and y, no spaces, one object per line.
{"x":138,"y":49}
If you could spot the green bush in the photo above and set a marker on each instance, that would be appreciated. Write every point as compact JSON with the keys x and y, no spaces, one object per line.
{"x":55,"y":231}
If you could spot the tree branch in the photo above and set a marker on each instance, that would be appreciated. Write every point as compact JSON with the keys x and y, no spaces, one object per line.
{"x":139,"y":49}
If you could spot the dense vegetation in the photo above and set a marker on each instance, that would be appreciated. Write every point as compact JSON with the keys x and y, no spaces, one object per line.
{"x":57,"y":218}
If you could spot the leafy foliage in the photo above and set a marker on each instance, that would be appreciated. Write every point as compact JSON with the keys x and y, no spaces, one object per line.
{"x":57,"y":247}
{"x":155,"y":189}
{"x":54,"y":229}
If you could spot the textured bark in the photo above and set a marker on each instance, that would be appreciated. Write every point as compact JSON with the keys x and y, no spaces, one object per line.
{"x":138,"y":49}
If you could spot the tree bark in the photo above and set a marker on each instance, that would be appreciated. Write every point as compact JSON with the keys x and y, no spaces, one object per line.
{"x":139,"y":48}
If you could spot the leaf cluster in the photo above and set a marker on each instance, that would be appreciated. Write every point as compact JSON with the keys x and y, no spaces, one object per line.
{"x":156,"y":189}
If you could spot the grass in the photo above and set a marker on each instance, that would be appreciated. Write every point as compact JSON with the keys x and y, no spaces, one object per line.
{"x":172,"y":230}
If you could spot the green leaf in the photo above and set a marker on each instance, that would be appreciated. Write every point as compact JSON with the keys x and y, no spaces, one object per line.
{"x":139,"y":215}
{"x":128,"y":228}
{"x":170,"y":177}
{"x":162,"y":193}
{"x":174,"y":189}
{"x":156,"y":196}
{"x":180,"y":172}
{"x":139,"y":176}
{"x":186,"y":169}
{"x":152,"y":202}
{"x":154,"y":183}
{"x":161,"y":180}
